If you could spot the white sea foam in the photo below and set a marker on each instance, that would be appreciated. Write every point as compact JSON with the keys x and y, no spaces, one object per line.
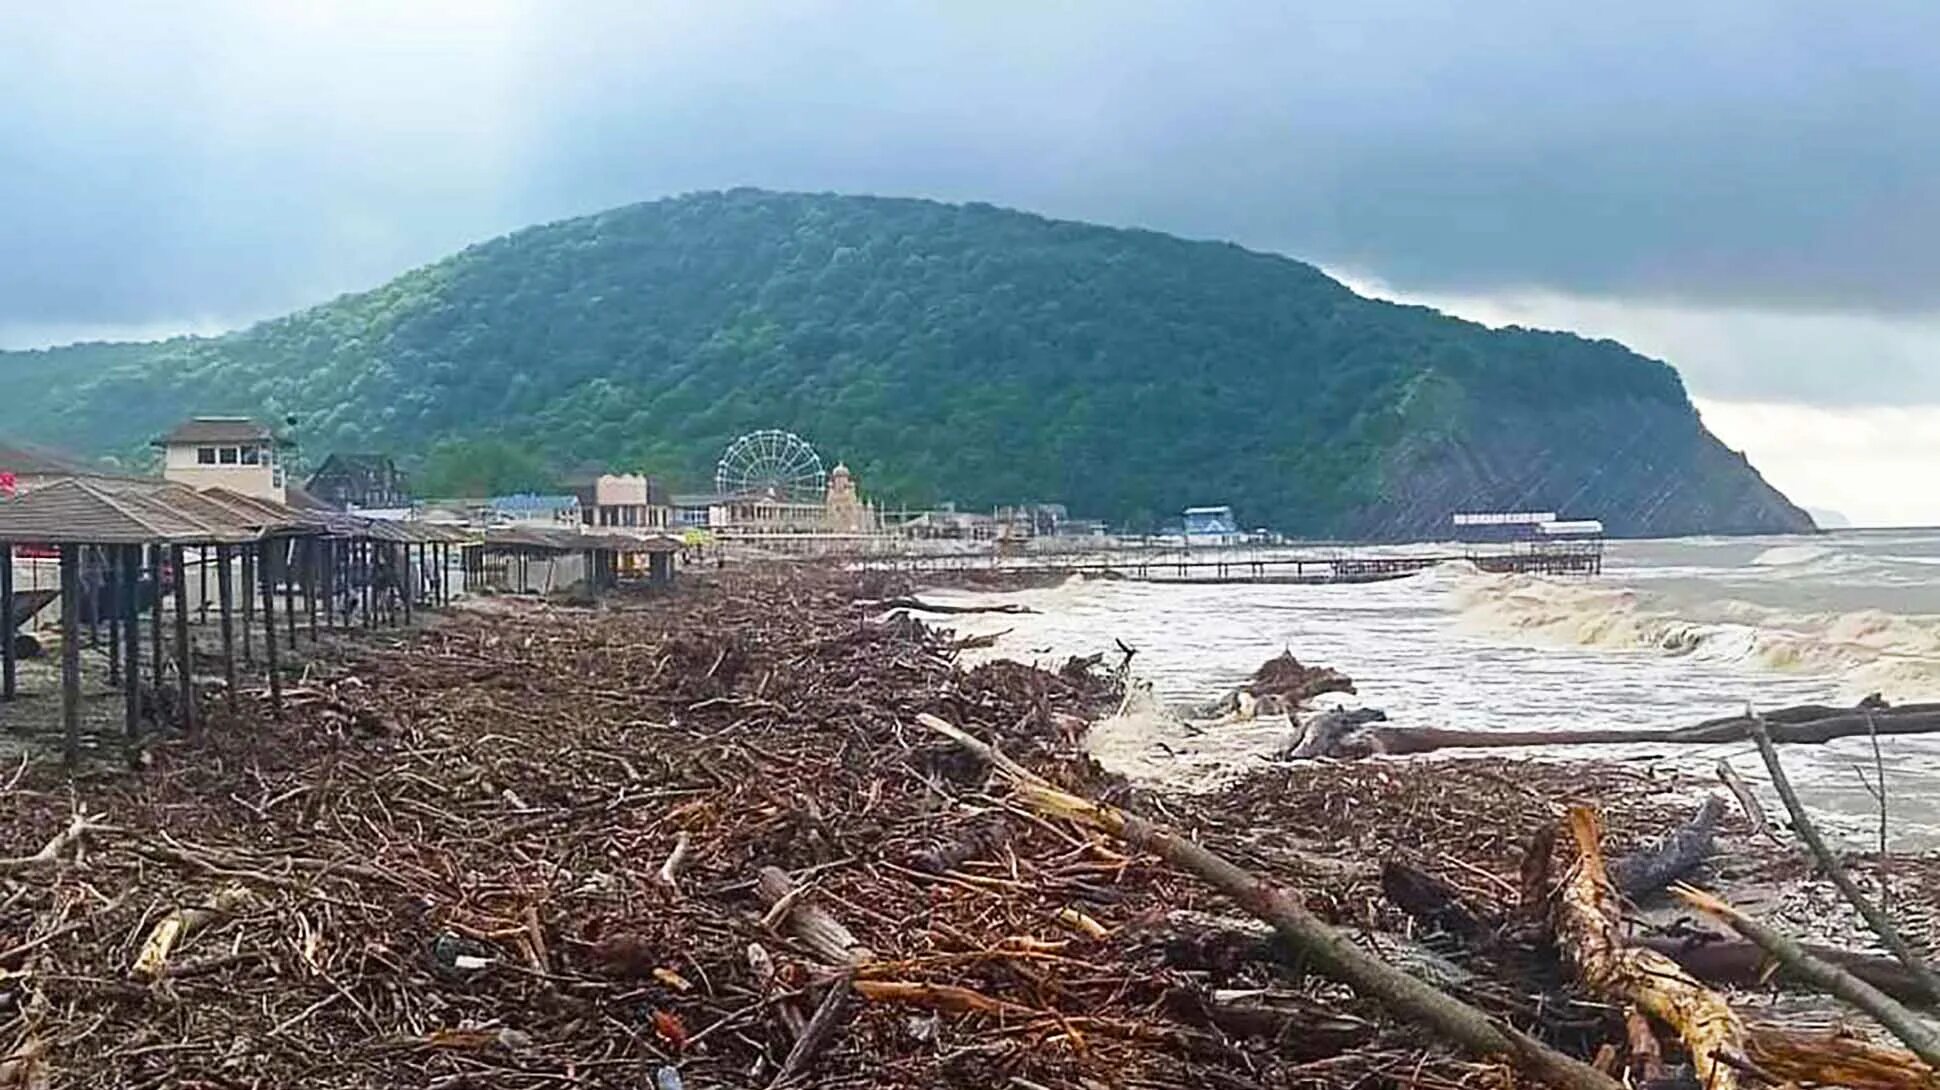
{"x":1867,"y":650}
{"x":1674,"y":632}
{"x":1152,"y":741}
{"x":1782,"y":555}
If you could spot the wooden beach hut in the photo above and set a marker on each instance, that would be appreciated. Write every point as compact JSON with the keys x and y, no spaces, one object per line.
{"x":129,"y":530}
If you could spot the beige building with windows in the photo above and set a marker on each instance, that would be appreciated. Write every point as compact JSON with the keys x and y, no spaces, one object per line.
{"x":628,"y":500}
{"x":230,"y":452}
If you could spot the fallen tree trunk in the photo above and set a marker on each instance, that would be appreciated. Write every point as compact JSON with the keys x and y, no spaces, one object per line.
{"x":1636,"y":876}
{"x":1712,"y":958}
{"x":1875,"y":916}
{"x":917,"y":605}
{"x":1322,"y":735}
{"x":1722,"y":1047}
{"x":1804,"y":725}
{"x":1587,"y":919}
{"x":1836,"y":1059}
{"x":1737,"y":963}
{"x":1333,"y":953}
{"x":1922,"y":1038}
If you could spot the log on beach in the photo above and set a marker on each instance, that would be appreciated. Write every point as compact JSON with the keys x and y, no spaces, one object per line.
{"x":1645,"y":873}
{"x":1737,"y":963}
{"x":1803,"y":725}
{"x":1724,"y":1047}
{"x":918,"y":605}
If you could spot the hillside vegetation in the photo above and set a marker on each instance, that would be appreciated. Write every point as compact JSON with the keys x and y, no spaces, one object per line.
{"x":945,"y":352}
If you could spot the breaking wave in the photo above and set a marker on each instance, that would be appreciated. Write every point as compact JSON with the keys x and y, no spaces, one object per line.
{"x":1783,"y":555}
{"x":1868,"y":650}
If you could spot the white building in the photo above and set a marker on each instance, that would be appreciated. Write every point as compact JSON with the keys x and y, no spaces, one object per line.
{"x":626,"y":499}
{"x":230,"y":452}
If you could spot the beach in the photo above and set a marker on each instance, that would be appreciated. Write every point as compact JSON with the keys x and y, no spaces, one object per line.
{"x":659,"y":840}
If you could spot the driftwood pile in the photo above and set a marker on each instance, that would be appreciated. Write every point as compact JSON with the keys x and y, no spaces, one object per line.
{"x":720,"y":840}
{"x":1282,"y":685}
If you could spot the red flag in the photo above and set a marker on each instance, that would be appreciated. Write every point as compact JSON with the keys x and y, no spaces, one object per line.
{"x":9,"y":484}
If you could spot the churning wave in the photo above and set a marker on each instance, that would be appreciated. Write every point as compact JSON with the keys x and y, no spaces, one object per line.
{"x":1866,"y":651}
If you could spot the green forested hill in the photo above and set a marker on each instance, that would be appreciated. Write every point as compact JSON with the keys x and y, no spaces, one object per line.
{"x":945,"y":352}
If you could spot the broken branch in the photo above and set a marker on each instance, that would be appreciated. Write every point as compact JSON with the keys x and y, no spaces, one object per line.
{"x":1875,"y":917}
{"x":1900,"y":1022}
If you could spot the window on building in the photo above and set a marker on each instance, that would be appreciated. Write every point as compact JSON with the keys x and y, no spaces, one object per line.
{"x":227,"y":456}
{"x":205,"y":456}
{"x":251,"y":456}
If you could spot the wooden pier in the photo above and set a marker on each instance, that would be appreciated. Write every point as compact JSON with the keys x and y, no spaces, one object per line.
{"x":1212,"y":566}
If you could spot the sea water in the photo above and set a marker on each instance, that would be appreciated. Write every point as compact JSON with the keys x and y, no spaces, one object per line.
{"x":1672,"y":633}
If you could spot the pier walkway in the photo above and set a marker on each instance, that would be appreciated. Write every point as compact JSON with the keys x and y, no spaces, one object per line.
{"x":1251,"y":566}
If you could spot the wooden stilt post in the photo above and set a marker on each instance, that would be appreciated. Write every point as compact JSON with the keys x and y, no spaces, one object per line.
{"x":7,"y":622}
{"x":310,"y":575}
{"x":327,"y":580}
{"x":109,"y":598}
{"x":91,"y":590}
{"x":131,"y":645}
{"x":286,"y":557}
{"x":227,"y":611}
{"x":202,"y":577}
{"x":249,"y":602}
{"x":406,"y":582}
{"x":155,"y":573}
{"x":369,"y":550}
{"x":71,"y":653}
{"x":269,"y":634}
{"x":184,"y":654}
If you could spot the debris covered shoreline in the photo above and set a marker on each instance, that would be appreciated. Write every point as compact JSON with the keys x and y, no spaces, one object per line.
{"x":705,"y":840}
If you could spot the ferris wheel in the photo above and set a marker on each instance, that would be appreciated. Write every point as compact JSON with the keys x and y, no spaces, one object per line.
{"x":779,"y":465}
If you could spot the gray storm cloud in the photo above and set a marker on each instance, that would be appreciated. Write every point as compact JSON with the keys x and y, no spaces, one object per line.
{"x":214,"y":162}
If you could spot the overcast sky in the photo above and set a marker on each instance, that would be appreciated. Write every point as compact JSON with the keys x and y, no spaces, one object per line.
{"x":1747,"y":188}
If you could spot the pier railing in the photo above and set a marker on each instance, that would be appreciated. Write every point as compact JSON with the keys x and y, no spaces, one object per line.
{"x":1222,"y":566}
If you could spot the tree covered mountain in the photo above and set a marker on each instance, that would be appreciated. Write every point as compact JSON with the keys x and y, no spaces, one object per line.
{"x":945,"y":352}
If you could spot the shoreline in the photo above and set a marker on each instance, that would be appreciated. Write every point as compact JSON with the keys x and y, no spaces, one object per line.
{"x":510,"y":783}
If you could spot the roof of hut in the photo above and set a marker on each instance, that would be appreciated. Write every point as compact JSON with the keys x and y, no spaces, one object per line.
{"x":83,"y":512}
